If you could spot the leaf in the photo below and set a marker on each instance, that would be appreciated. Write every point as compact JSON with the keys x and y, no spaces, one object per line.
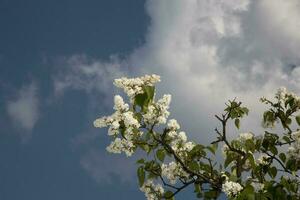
{"x":169,"y":195}
{"x":245,"y":110}
{"x":228,"y":160}
{"x":237,"y":123}
{"x":298,"y":119}
{"x":141,"y":175}
{"x":150,"y":90}
{"x":274,"y":150}
{"x":140,"y":99}
{"x":194,"y":166}
{"x":140,"y":161}
{"x":282,"y":157}
{"x":160,"y":154}
{"x":272,"y":172}
{"x":212,"y":148}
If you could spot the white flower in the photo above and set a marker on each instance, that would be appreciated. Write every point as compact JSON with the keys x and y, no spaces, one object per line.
{"x":182,"y":136}
{"x":158,"y":111}
{"x":152,"y":191}
{"x":173,"y":171}
{"x":246,"y":136}
{"x":225,"y":148}
{"x":115,"y":146}
{"x":121,"y":145}
{"x":257,"y":186}
{"x":119,"y":104}
{"x":134,"y":86}
{"x":231,"y":189}
{"x":294,"y":149}
{"x":129,"y":120}
{"x":263,"y":160}
{"x":114,"y":128}
{"x":173,"y":124}
{"x":102,"y":122}
{"x":188,"y":146}
{"x":281,"y":93}
{"x":296,"y":136}
{"x":150,"y":116}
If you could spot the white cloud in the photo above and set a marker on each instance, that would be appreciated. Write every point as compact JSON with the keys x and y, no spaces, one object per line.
{"x":24,"y":109}
{"x":104,"y":168}
{"x":209,"y":51}
{"x":80,"y":72}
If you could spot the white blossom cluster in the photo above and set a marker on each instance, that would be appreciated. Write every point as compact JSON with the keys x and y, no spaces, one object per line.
{"x":257,"y":186}
{"x":119,"y":145}
{"x":246,"y":136}
{"x":158,"y":111}
{"x":178,"y":139}
{"x":294,"y":149}
{"x":152,"y":191}
{"x":263,"y":160}
{"x":134,"y":86}
{"x":122,"y":116}
{"x":173,"y":171}
{"x":282,"y":95}
{"x":231,"y":188}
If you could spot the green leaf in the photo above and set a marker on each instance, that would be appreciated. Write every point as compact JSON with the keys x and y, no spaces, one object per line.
{"x":150,"y":90}
{"x":282,"y":157}
{"x":237,"y":123}
{"x":169,"y":195}
{"x":141,"y":175}
{"x":140,"y":161}
{"x":140,"y":99}
{"x":197,"y":188}
{"x":160,"y":154}
{"x":245,"y":110}
{"x":146,"y":148}
{"x":274,"y":150}
{"x":228,"y":160}
{"x":212,"y":148}
{"x":194,"y":166}
{"x":272,"y":172}
{"x":298,"y":119}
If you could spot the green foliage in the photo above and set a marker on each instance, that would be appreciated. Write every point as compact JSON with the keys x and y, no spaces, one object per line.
{"x":272,"y":171}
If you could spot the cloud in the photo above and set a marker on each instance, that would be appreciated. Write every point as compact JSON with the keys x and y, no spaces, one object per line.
{"x":104,"y":168}
{"x":209,"y":51}
{"x":24,"y":109}
{"x":80,"y":72}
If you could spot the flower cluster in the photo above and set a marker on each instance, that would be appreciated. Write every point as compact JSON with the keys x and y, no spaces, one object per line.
{"x":152,"y":191}
{"x":134,"y":86}
{"x":283,"y":95}
{"x":246,"y":136}
{"x":257,"y":186}
{"x":294,"y":150}
{"x":231,"y":188}
{"x":173,"y":171}
{"x":158,"y":111}
{"x":137,"y":125}
{"x":178,"y":139}
{"x":263,"y":160}
{"x":122,"y":118}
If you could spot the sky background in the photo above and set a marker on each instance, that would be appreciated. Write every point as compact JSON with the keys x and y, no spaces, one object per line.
{"x":58,"y":60}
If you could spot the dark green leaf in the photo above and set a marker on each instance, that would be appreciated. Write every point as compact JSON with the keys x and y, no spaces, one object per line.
{"x":282,"y":157}
{"x":160,"y":154}
{"x":141,"y":175}
{"x":237,"y":123}
{"x":169,"y":195}
{"x":298,"y":119}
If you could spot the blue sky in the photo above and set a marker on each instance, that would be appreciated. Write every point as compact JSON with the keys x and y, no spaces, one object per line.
{"x":58,"y":60}
{"x":38,"y":159}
